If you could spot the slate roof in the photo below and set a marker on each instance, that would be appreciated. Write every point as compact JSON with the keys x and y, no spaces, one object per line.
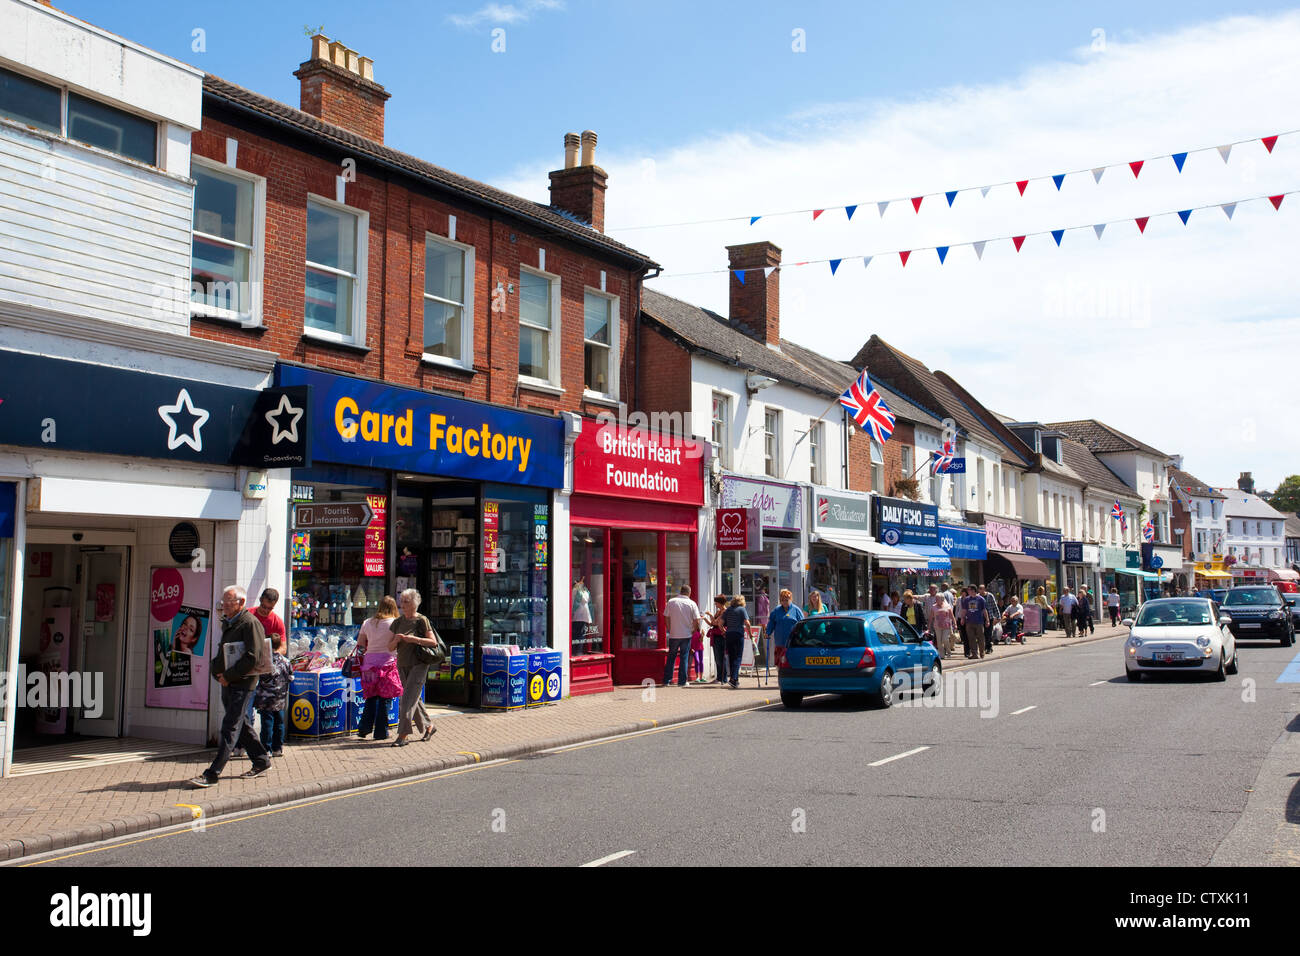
{"x":1293,"y":527}
{"x":556,"y":221}
{"x":1242,"y":504}
{"x":1103,"y":439}
{"x":1193,"y":485}
{"x":1092,"y":469}
{"x":842,"y":374}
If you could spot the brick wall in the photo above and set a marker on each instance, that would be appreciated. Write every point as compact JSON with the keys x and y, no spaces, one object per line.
{"x":399,"y":216}
{"x":665,"y":375}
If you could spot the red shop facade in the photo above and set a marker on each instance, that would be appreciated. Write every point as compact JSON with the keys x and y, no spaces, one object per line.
{"x":634,"y":521}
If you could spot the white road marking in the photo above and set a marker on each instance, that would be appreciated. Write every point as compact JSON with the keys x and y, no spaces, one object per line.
{"x":1097,"y":682}
{"x":610,"y":859}
{"x":1023,"y":710}
{"x":897,"y":757}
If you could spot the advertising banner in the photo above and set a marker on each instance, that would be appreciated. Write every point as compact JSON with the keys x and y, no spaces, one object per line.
{"x":56,"y":642}
{"x":779,"y":505}
{"x":182,"y":638}
{"x":1002,"y":536}
{"x":964,"y":544}
{"x":903,"y":522}
{"x":1041,"y":543}
{"x":631,"y":463}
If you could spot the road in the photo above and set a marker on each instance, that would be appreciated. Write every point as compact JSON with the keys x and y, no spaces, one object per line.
{"x":1078,"y":767}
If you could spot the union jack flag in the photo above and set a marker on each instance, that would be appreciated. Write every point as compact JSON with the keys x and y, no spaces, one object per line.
{"x":1118,"y":512}
{"x":868,"y":409}
{"x":942,"y":459}
{"x":1148,"y":531}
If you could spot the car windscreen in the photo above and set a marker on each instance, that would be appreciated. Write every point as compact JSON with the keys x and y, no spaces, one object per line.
{"x":1174,"y":614}
{"x":1242,"y":597}
{"x":828,"y":632}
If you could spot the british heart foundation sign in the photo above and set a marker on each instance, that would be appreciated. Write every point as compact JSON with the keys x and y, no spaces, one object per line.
{"x":732,"y":529}
{"x":637,"y":463}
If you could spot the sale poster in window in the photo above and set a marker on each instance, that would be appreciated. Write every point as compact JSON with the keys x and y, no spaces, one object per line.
{"x":181,"y":628}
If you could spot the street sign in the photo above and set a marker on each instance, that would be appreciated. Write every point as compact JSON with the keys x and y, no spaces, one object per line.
{"x":1157,"y":561}
{"x":334,"y":515}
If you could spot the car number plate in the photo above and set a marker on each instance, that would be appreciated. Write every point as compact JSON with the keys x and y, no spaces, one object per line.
{"x":821,"y":660}
{"x":1249,"y":625}
{"x":1169,"y":655}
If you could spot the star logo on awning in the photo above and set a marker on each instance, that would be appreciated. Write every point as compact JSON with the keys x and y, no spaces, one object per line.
{"x":280,"y":433}
{"x":183,"y":436}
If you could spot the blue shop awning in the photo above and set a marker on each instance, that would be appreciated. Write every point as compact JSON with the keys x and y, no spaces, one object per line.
{"x":936,"y":558}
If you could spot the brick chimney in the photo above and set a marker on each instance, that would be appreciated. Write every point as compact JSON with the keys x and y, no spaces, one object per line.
{"x":756,"y":302}
{"x":338,"y":86}
{"x":579,"y":188}
{"x":1246,"y":483}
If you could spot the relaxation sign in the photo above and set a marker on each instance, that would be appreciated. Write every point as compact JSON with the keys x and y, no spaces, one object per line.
{"x":359,"y":422}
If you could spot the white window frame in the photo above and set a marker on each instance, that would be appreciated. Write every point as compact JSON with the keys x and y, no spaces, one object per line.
{"x":554,"y":382}
{"x":467,"y":321}
{"x":905,"y":456}
{"x":817,"y":451}
{"x":774,"y":462}
{"x":256,"y":253}
{"x":358,"y":336}
{"x":724,"y":442}
{"x":877,"y":457}
{"x":614,"y":337}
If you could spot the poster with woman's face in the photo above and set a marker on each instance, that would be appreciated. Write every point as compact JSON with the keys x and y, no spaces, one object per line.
{"x":189,"y":631}
{"x":180,"y":618}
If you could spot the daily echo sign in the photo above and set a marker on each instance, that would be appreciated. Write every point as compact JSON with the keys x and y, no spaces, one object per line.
{"x":620,"y":462}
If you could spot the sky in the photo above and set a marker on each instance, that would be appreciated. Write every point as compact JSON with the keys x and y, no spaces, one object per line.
{"x":1185,"y":335}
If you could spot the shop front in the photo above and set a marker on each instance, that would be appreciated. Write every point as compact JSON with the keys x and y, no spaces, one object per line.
{"x":760,"y":574}
{"x":1045,"y":545}
{"x":450,"y":497}
{"x":913,"y":527}
{"x":127,"y":499}
{"x":1121,"y":569}
{"x":1082,"y":564}
{"x":1210,"y":576}
{"x":1010,"y":569}
{"x":967,"y":549}
{"x":634,"y":527}
{"x":844,"y":549}
{"x":1164,"y":563}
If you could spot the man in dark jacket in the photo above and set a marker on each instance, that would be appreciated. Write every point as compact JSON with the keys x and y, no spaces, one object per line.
{"x":236,"y":672}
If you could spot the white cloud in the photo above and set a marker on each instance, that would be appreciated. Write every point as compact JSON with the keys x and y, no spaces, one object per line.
{"x":499,"y":13}
{"x":1186,"y":337}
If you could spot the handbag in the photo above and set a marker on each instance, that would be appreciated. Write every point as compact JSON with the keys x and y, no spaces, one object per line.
{"x":352,"y":666}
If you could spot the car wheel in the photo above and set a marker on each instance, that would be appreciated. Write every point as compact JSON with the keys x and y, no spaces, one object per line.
{"x":1221,"y":674}
{"x":1233,"y":664}
{"x":791,"y":700}
{"x":932,"y":679}
{"x":1133,"y":676}
{"x":885,"y":695}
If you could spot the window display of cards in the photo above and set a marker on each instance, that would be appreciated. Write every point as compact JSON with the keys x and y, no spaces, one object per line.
{"x":440,"y":538}
{"x":465,"y":526}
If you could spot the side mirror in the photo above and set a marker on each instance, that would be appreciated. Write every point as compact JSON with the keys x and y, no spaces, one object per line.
{"x":1127,"y":622}
{"x":1224,"y":620}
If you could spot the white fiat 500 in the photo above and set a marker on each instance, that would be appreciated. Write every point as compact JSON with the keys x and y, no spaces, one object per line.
{"x":1172,"y":635}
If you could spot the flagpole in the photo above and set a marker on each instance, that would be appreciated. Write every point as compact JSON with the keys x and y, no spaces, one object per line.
{"x":794,"y":448}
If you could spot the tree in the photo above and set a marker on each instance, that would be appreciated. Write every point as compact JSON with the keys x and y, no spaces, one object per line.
{"x":1287,"y":497}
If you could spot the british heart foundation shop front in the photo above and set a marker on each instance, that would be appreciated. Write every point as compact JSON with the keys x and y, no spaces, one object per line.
{"x":634,"y":521}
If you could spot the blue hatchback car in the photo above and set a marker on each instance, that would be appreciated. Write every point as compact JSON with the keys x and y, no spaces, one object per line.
{"x":855,"y":652}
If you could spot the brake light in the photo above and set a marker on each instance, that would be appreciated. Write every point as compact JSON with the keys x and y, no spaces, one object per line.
{"x":868,"y":659}
{"x":781,"y":660}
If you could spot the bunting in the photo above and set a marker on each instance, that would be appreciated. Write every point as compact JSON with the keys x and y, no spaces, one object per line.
{"x":950,"y":195}
{"x":979,"y":245}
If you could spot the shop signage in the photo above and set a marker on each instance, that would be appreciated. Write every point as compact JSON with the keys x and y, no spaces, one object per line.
{"x":963,"y":544}
{"x":183,"y":542}
{"x":732,"y":529}
{"x":492,"y":557}
{"x":333,"y":515}
{"x":779,"y":505}
{"x":181,"y":638}
{"x":360,"y":422}
{"x":1002,"y":536}
{"x":1073,"y":552}
{"x":1113,"y":558}
{"x":899,"y":521}
{"x":376,"y":549}
{"x":541,"y":537}
{"x":632,"y":463}
{"x":1133,"y":559}
{"x":255,"y":485}
{"x":79,"y":406}
{"x":835,"y":509}
{"x":1041,"y":543}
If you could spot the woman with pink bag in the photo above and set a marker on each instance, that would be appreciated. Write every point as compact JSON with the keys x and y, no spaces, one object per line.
{"x":380,"y":681}
{"x":942,"y":622}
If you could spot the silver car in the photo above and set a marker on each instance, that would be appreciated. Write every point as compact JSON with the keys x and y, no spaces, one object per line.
{"x":1186,"y":634}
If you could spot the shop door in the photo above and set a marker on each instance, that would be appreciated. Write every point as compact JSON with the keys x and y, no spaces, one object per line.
{"x":100,"y":645}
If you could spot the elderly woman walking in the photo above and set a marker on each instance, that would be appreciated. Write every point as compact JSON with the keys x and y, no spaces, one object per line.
{"x":413,"y":629}
{"x":380,"y":679}
{"x":735,"y":621}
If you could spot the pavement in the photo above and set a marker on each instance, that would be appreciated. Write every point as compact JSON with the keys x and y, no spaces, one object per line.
{"x":76,"y":807}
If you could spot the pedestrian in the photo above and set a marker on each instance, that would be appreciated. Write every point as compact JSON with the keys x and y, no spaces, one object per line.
{"x":783,"y":619}
{"x":241,"y":658}
{"x":1065,"y":608}
{"x":1085,"y":612}
{"x":1112,"y":605}
{"x":413,"y":630}
{"x":928,"y":602}
{"x":735,"y":621}
{"x":273,"y":698}
{"x":941,"y":624}
{"x":718,"y":639}
{"x":832,"y":599}
{"x":994,"y":614}
{"x":815,"y":605}
{"x":381,"y":680}
{"x":885,"y":601}
{"x":683,"y":616}
{"x":762,"y":605}
{"x":272,"y":625}
{"x":975,"y":619}
{"x":1013,"y":619}
{"x":1045,"y":609}
{"x":912,"y":612}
